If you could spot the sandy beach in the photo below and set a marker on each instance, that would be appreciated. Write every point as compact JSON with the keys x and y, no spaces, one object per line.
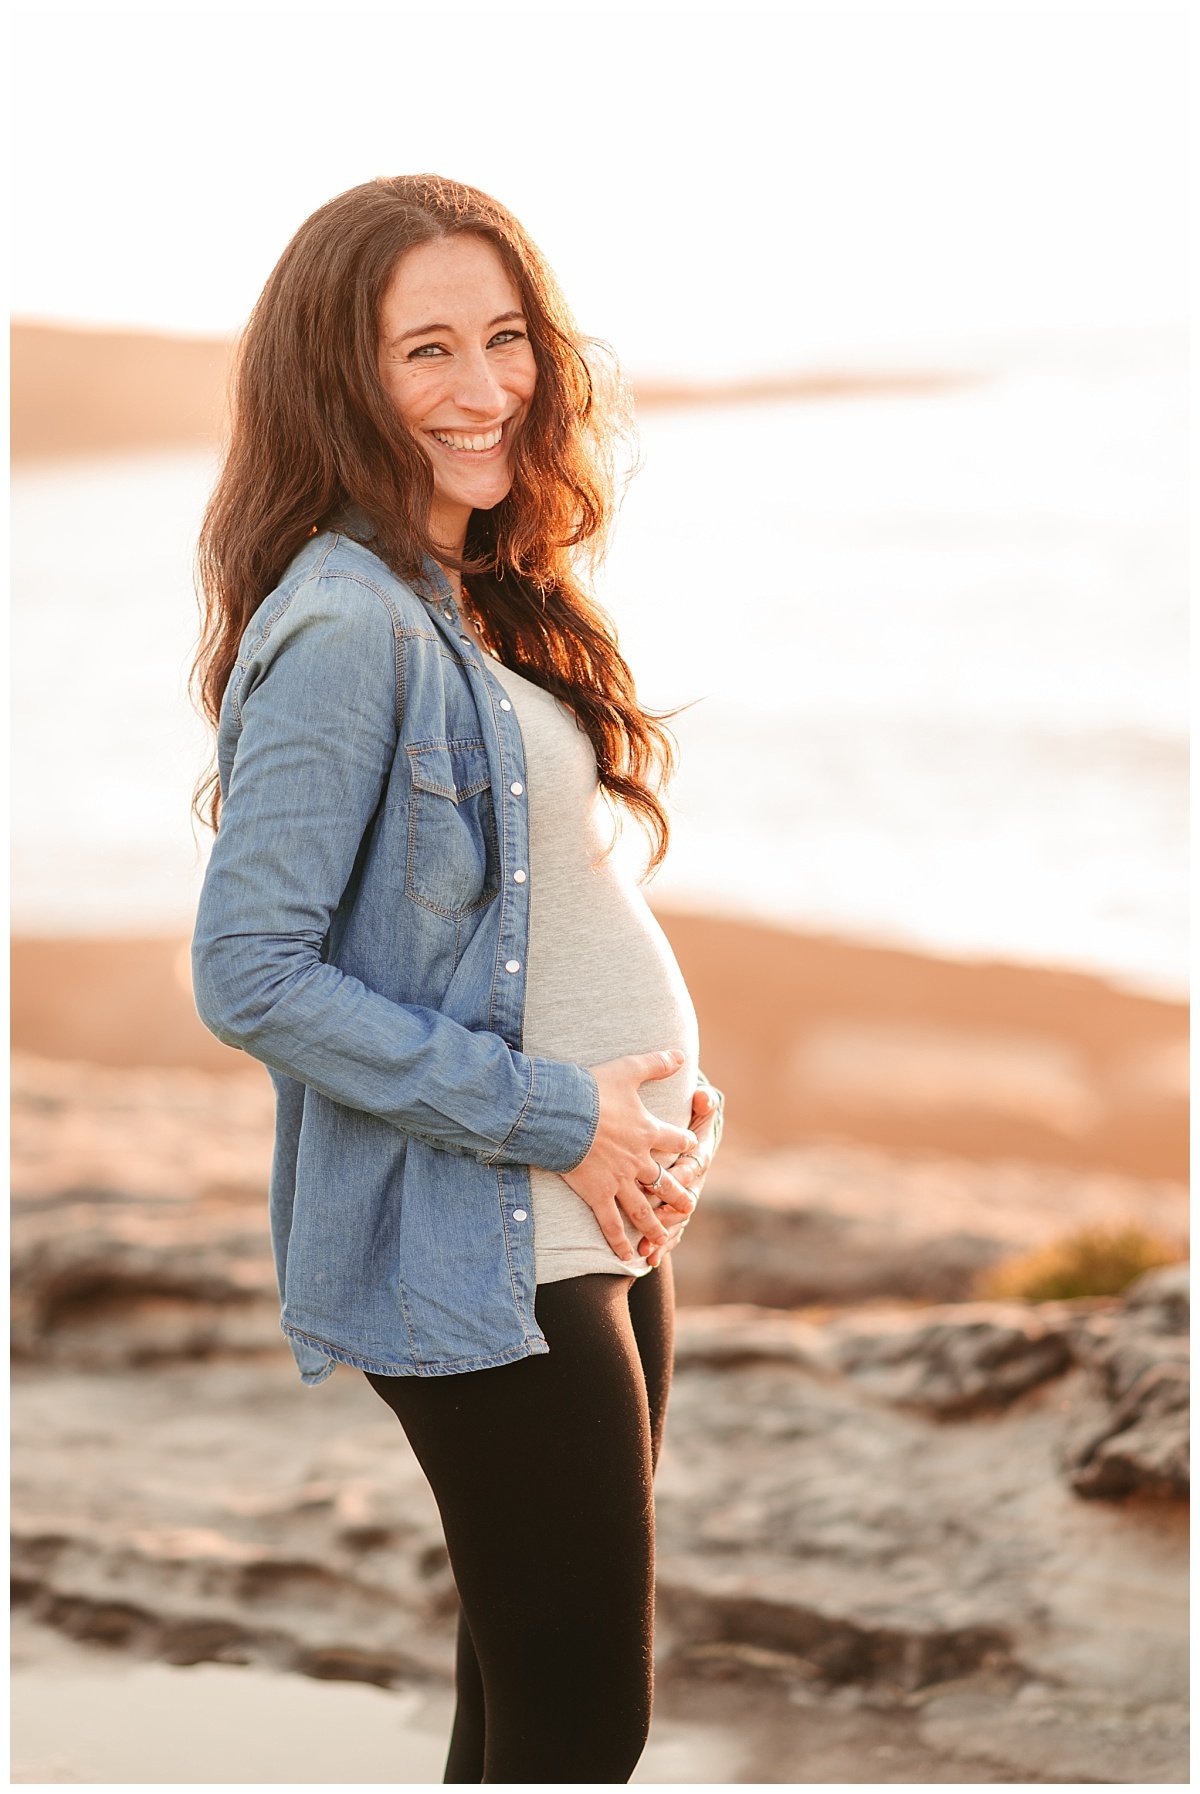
{"x":810,"y":1037}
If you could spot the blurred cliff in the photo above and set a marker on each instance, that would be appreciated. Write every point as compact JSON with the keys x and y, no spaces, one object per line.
{"x":78,"y":391}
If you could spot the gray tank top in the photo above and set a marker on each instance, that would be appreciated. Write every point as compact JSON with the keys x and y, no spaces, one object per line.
{"x":602,"y":978}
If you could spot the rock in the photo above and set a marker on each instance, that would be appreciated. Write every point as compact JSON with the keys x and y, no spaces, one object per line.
{"x":955,"y":1361}
{"x":736,"y":1334}
{"x":1129,"y":1430}
{"x":888,"y":1550}
{"x":1084,"y":1736}
{"x":1142,"y":1447}
{"x":830,"y":1223}
{"x":220,"y":1511}
{"x":139,"y":1227}
{"x":1162,"y":1297}
{"x":948,"y":1361}
{"x":868,"y":1506}
{"x":140,"y":1224}
{"x":217,"y":1513}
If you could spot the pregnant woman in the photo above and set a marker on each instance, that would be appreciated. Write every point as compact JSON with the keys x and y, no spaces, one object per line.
{"x":491,"y":1122}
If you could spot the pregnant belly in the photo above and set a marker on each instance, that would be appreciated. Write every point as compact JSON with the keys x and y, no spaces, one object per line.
{"x":608,"y":987}
{"x":612,"y":986}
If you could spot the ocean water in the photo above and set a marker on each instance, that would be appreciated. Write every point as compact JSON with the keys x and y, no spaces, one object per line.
{"x":933,"y":649}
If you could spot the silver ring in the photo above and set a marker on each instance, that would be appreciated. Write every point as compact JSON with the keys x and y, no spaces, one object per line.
{"x":688,"y":1155}
{"x":650,"y":1188}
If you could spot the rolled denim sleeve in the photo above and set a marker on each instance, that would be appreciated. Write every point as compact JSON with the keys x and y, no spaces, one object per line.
{"x":318,"y":694}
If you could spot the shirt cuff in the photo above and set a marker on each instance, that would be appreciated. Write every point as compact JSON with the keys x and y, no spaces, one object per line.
{"x":558,"y":1123}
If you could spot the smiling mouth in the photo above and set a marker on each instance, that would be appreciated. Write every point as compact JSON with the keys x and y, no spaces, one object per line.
{"x":471,"y":442}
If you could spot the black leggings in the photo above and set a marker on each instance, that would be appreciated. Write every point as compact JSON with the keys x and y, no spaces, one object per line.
{"x":542,"y":1472}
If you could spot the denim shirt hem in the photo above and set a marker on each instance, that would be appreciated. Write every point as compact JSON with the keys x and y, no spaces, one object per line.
{"x":533,"y":1347}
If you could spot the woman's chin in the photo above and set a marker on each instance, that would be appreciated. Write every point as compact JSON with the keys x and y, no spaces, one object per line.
{"x":478,"y":494}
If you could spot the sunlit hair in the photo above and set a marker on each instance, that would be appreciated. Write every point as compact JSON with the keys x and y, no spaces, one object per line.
{"x":313,"y":430}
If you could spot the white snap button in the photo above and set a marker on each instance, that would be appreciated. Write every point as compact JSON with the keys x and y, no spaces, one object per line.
{"x":519,"y":1214}
{"x":504,"y":704}
{"x":448,"y":613}
{"x":512,"y":965}
{"x":518,"y":878}
{"x":516,"y":787}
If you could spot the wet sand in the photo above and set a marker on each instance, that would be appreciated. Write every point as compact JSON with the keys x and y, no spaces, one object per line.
{"x":208,"y":1724}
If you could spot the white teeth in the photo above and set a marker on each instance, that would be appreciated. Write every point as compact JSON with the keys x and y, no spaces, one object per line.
{"x":477,"y":443}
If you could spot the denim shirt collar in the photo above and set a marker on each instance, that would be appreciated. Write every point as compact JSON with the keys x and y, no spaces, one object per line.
{"x":351,"y":520}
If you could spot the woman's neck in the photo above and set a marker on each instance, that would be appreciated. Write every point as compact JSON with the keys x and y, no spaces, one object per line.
{"x":449,"y":534}
{"x":452,"y":574}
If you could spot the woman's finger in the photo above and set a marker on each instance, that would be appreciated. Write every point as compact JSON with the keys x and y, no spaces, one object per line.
{"x":682,"y":1172}
{"x":680,"y":1188}
{"x":608,"y":1217}
{"x":654,"y":1255}
{"x":708,"y":1106}
{"x":706,"y":1125}
{"x":691,"y":1168}
{"x":640,"y":1210}
{"x":674,"y":1220}
{"x":671,"y":1141}
{"x":704,"y":1104}
{"x":675,"y":1196}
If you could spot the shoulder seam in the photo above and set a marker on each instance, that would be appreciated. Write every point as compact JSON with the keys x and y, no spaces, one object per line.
{"x":320,"y":573}
{"x":400,"y":665}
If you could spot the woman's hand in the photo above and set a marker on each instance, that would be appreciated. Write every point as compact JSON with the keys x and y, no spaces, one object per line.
{"x":628,"y":1151}
{"x":689,"y":1171}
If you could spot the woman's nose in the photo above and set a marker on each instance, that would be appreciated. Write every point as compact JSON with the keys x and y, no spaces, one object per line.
{"x":476,"y":387}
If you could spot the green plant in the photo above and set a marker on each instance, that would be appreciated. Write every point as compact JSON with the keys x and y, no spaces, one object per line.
{"x":1101,"y":1260}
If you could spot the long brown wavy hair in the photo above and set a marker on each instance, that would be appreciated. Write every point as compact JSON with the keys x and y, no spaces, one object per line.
{"x":313,"y":431}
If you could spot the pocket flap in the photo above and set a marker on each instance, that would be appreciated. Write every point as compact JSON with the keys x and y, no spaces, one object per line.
{"x":453,"y":769}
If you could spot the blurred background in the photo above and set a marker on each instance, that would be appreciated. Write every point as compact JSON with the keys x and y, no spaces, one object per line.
{"x":903,"y":294}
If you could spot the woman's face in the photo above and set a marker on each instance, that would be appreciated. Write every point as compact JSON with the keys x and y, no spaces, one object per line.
{"x":456,"y":360}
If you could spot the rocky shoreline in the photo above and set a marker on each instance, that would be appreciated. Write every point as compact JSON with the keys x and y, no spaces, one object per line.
{"x":960,"y":1524}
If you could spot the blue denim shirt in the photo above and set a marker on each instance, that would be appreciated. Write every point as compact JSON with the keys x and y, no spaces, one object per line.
{"x":361,"y":932}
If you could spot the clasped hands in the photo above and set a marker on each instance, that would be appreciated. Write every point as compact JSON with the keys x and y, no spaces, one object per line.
{"x":629,"y":1149}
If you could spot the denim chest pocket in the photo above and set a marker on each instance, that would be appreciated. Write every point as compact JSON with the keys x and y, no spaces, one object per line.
{"x":453,"y":861}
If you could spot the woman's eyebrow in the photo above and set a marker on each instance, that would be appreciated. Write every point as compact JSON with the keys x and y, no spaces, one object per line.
{"x":506,"y":317}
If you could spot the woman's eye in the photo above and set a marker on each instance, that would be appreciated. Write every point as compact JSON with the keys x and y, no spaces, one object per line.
{"x":429,"y":351}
